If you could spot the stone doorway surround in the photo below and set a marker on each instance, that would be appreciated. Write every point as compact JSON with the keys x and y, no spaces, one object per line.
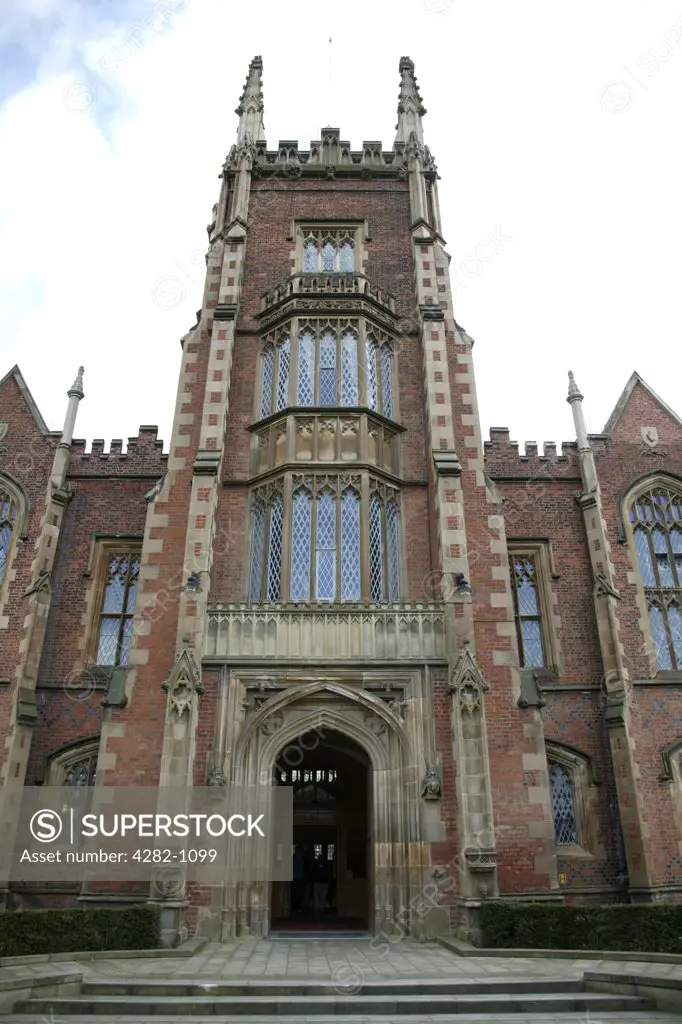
{"x":264,"y":716}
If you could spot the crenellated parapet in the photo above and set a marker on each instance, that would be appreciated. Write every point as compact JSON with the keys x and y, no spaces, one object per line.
{"x":142,"y":455}
{"x":503,"y":458}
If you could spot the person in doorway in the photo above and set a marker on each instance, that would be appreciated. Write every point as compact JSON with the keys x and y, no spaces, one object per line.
{"x":320,"y":886}
{"x":298,"y":883}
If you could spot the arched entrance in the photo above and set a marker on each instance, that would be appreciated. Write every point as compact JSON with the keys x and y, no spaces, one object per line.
{"x":332,"y":842}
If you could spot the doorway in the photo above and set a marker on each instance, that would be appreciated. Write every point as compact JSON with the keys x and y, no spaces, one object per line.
{"x":331,"y":853}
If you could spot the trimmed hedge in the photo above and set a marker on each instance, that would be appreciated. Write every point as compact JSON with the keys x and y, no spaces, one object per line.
{"x":29,"y":932}
{"x":644,"y":927}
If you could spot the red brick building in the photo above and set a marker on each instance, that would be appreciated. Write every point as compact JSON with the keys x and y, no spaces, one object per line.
{"x":467,"y":661}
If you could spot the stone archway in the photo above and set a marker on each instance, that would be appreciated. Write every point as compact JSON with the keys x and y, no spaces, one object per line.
{"x":399,"y":859}
{"x":331,"y":779}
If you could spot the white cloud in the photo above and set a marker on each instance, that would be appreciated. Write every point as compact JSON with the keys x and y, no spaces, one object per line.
{"x":96,"y":206}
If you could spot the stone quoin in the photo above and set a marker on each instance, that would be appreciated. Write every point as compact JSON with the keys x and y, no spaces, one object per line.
{"x":466,"y":661}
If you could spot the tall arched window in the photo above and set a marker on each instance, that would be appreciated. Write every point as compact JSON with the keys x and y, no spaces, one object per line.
{"x":317,"y":533}
{"x":8,"y":520}
{"x":563,"y":804}
{"x":656,"y":519}
{"x":332,"y":366}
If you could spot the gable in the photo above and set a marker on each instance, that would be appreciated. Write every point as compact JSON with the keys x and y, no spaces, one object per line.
{"x":16,"y":398}
{"x":638,"y":408}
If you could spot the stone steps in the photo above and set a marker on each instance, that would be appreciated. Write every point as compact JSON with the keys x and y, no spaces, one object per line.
{"x":364,"y":1004}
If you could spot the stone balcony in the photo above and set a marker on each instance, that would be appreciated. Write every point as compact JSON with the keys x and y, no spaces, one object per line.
{"x":359,"y":633}
{"x":335,"y":292}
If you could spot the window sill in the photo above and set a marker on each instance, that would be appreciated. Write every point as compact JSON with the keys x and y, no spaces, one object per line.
{"x":573,"y":851}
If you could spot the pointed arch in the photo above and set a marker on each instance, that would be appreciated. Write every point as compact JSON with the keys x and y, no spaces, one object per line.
{"x":652,"y":514}
{"x":14,"y":510}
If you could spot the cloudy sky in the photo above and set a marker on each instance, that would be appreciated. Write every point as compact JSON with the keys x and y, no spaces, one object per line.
{"x":556,"y":129}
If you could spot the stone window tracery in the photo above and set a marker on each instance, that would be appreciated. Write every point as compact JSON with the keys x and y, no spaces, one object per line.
{"x":656,"y":521}
{"x":563,"y":804}
{"x":326,"y":363}
{"x":527,"y":609}
{"x":115,"y":627}
{"x":329,"y":251}
{"x":8,"y":519}
{"x":308,"y":546}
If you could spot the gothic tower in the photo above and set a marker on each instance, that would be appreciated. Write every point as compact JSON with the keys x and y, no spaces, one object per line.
{"x":331,"y":583}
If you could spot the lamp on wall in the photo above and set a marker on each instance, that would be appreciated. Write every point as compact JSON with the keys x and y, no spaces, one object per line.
{"x":461,"y":584}
{"x":193,"y":584}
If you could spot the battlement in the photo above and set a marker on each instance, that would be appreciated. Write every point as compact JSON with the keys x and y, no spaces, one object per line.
{"x":143,"y":454}
{"x":503,"y":457}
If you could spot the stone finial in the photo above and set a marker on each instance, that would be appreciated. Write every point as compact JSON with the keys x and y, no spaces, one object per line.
{"x":574,"y":394}
{"x":410,"y":106}
{"x":76,"y":388}
{"x":250,"y":109}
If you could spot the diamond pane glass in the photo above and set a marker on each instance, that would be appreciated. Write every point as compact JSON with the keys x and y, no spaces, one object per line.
{"x":283,"y":375}
{"x":126,"y":637}
{"x":349,"y":369}
{"x":81,"y":773}
{"x":268,"y":370}
{"x":350,"y":546}
{"x":310,"y":257}
{"x":107,"y":645}
{"x":8,"y":514}
{"x":375,"y":550}
{"x":115,"y":586}
{"x":525,"y":587}
{"x":646,"y":567}
{"x":387,"y":382}
{"x":372,"y":386}
{"x":675,"y":620}
{"x":325,"y":562}
{"x":328,"y":369}
{"x":275,"y":549}
{"x":347,"y":258}
{"x":393,"y":552}
{"x":659,"y":637}
{"x":531,"y":636}
{"x":257,"y":551}
{"x":132,"y":585}
{"x":563,"y":807}
{"x":305,"y":393}
{"x":328,"y":257}
{"x":300,"y":546}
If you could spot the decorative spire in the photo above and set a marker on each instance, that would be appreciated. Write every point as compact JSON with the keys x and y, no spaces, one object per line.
{"x":410,"y":106}
{"x":574,"y":394}
{"x":250,"y":109}
{"x":76,"y":388}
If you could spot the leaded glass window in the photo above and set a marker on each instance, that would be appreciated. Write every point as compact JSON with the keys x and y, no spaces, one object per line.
{"x":350,"y":545}
{"x":328,"y":251}
{"x":387,"y":382}
{"x":81,"y":772}
{"x":371,"y":367}
{"x":305,"y":394}
{"x":375,"y":550}
{"x":283,"y":358}
{"x":275,"y":549}
{"x":319,"y":530}
{"x":331,"y":366}
{"x":257,"y":551}
{"x":563,"y":804}
{"x":325,"y":547}
{"x":527,"y":614}
{"x":301,"y":523}
{"x":393,"y":551}
{"x":349,"y":368}
{"x":118,"y":604}
{"x":267,"y":378}
{"x":656,"y":517}
{"x":328,"y":369}
{"x":8,"y":518}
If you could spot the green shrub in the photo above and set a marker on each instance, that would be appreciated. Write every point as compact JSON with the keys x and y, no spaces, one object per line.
{"x":647,"y":927}
{"x":29,"y":932}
